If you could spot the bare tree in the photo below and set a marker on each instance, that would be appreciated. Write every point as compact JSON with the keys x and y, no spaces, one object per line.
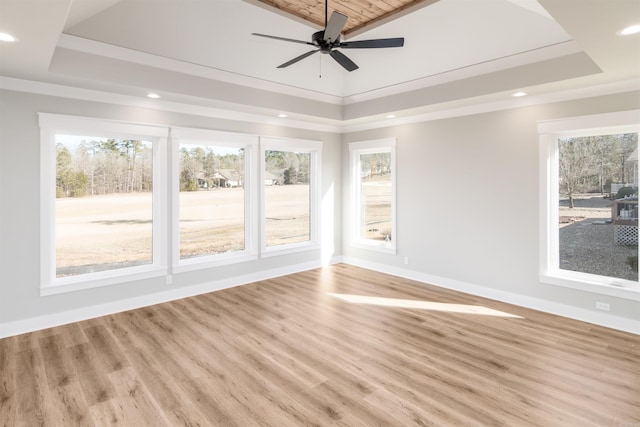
{"x":576,"y":161}
{"x":591,"y":163}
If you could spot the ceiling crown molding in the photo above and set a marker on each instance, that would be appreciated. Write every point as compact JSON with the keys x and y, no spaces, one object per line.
{"x":241,"y":113}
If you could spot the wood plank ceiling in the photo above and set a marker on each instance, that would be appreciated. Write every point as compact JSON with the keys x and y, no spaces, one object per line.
{"x":361,"y":13}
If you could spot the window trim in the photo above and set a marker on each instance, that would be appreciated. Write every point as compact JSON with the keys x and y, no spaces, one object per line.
{"x":223,"y":139}
{"x":165,"y":198}
{"x":355,"y":150}
{"x":52,"y":124}
{"x":549,"y":133}
{"x":314,"y":148}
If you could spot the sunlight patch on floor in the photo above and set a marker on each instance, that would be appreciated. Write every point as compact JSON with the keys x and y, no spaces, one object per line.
{"x":422,"y":305}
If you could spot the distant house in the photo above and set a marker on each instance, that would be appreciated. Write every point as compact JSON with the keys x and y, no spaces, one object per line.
{"x":274,"y":178}
{"x":203,"y":183}
{"x":228,"y":178}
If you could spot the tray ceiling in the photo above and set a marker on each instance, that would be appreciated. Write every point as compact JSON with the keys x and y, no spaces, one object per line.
{"x":361,"y":13}
{"x":201,"y":52}
{"x":447,"y":36}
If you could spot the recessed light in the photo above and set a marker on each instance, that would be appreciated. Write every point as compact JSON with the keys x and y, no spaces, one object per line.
{"x":4,"y":37}
{"x":153,"y":95}
{"x":517,"y":94}
{"x":632,"y":29}
{"x":282,"y":115}
{"x":391,"y":116}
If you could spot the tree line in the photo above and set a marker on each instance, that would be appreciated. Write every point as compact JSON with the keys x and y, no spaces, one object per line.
{"x":103,"y":167}
{"x":590,"y":164}
{"x":373,"y":164}
{"x":95,"y":167}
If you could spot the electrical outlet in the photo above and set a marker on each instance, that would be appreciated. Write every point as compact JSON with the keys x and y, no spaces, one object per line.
{"x":406,"y":260}
{"x":603,"y":306}
{"x":169,"y":279}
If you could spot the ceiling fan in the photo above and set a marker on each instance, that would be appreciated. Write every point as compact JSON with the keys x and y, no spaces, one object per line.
{"x":328,"y":41}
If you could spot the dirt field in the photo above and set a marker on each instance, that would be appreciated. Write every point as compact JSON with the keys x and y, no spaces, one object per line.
{"x":376,"y":196}
{"x":104,"y":232}
{"x":205,"y":214}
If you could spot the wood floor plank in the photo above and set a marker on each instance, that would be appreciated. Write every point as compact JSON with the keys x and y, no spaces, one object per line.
{"x":57,"y":363}
{"x":404,"y":412}
{"x":207,"y":400}
{"x":31,"y":388}
{"x":344,"y":402}
{"x":94,"y":383}
{"x":337,"y":346}
{"x":238,"y":391}
{"x":137,"y":407}
{"x":31,"y":341}
{"x":107,"y":351}
{"x":8,"y":393}
{"x":73,"y":333}
{"x":232,"y":394}
{"x":69,"y":406}
{"x":108,"y":413}
{"x":174,"y":404}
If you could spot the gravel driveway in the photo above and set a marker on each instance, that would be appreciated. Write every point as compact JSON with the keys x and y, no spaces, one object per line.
{"x":587,"y":241}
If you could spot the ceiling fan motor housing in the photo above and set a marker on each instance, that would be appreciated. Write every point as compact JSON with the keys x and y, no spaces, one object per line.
{"x":325,"y":47}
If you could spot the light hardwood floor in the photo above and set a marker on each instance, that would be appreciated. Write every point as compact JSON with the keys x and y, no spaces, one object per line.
{"x":338,"y":346}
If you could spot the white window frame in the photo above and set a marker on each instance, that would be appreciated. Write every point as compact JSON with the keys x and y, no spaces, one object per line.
{"x":52,"y":124}
{"x":550,"y":132}
{"x":221,"y":139}
{"x":314,"y":149}
{"x":355,"y":150}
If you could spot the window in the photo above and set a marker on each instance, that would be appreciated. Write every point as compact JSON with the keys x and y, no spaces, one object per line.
{"x":290,"y":181}
{"x":373,"y":178}
{"x":101,"y":201}
{"x":118,"y":205}
{"x":589,"y":203}
{"x":213,"y":181}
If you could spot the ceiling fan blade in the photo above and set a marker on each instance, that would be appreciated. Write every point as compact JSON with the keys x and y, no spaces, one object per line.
{"x":335,"y":26}
{"x":298,"y":58}
{"x":342,"y":59}
{"x":282,"y":38}
{"x":369,"y":44}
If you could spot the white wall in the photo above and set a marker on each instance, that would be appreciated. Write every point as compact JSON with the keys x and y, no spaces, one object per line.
{"x":467,"y":211}
{"x":22,"y":307}
{"x":468,"y":214}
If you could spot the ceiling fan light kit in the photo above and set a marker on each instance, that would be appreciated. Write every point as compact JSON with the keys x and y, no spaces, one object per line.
{"x":327,"y":41}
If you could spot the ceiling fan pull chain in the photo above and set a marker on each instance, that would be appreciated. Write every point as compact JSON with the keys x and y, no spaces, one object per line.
{"x":320,"y":66}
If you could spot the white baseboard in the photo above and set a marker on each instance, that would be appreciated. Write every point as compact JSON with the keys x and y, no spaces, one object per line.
{"x":56,"y":319}
{"x":43,"y":322}
{"x":601,"y":319}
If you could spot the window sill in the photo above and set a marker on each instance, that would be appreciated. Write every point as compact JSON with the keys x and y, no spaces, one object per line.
{"x":589,"y":283}
{"x":288,"y":249}
{"x":212,"y":261}
{"x":374,"y":246}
